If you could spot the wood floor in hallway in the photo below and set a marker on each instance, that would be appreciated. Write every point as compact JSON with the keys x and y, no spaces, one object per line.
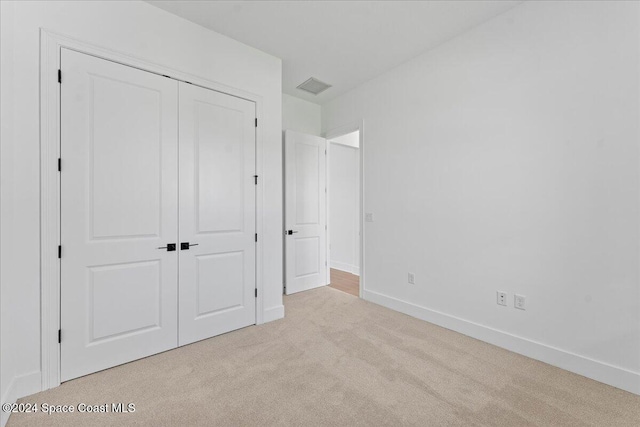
{"x":345,"y":282}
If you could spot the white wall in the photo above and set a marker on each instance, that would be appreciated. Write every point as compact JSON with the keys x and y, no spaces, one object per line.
{"x":6,"y":134}
{"x":507,"y":159}
{"x":137,"y":29}
{"x":344,"y":200}
{"x":300,"y":115}
{"x":351,"y":139}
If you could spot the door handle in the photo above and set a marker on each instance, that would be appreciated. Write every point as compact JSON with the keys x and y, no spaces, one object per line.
{"x":170,"y":247}
{"x":184,"y":246}
{"x":290,"y":232}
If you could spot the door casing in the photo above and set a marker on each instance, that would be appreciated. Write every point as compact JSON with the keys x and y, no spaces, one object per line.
{"x":51,"y":44}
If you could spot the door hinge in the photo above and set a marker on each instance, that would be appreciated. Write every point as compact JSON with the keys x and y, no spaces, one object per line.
{"x":59,"y":75}
{"x":59,"y":164}
{"x":59,"y":251}
{"x":256,"y":292}
{"x":256,"y":122}
{"x":256,"y":237}
{"x":59,"y":336}
{"x":255,"y":177}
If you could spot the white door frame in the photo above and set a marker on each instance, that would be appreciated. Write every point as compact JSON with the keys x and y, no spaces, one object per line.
{"x":51,"y":44}
{"x":332,"y":134}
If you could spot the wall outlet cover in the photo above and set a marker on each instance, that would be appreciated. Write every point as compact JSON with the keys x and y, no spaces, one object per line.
{"x":519,"y":302}
{"x":501,"y":298}
{"x":411,"y":279}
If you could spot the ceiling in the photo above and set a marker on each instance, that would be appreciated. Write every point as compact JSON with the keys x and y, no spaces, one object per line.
{"x":343,"y":43}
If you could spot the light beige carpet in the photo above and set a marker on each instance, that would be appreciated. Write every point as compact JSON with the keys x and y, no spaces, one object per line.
{"x":336,"y":360}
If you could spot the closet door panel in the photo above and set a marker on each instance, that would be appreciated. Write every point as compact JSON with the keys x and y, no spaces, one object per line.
{"x":217,"y":213}
{"x":119,"y":200}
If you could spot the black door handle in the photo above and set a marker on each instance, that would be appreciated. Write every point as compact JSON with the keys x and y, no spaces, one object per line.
{"x":170,"y":247}
{"x":290,"y":232}
{"x":184,"y":246}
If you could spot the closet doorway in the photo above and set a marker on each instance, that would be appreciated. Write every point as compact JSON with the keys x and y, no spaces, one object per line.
{"x":157,"y":213}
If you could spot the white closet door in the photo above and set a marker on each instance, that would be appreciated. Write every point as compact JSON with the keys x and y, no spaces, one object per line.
{"x":305,"y":241}
{"x":217,"y":213}
{"x":118,"y":206}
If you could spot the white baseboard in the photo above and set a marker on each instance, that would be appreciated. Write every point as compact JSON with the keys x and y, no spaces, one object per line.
{"x":20,"y":386}
{"x":599,"y":371}
{"x":337,"y":265}
{"x":273,"y":313}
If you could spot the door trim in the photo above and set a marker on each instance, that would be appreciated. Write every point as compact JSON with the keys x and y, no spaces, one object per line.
{"x":51,"y":44}
{"x":332,"y":134}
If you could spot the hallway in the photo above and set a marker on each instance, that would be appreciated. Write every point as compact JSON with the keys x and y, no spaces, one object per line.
{"x":345,"y":282}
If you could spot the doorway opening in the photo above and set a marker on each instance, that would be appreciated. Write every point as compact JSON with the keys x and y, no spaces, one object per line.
{"x":77,"y":340}
{"x":343,"y":212}
{"x":323,"y":210}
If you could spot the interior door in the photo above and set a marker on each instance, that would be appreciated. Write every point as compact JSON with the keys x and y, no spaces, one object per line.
{"x":305,"y":211}
{"x":118,"y":209}
{"x":217,"y":213}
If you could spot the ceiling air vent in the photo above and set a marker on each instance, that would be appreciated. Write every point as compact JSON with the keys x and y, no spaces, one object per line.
{"x":314,"y":86}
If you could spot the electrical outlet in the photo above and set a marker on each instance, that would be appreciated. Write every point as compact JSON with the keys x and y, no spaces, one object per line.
{"x":411,"y":279}
{"x":502,"y":298}
{"x":519,"y":301}
{"x":368,"y":217}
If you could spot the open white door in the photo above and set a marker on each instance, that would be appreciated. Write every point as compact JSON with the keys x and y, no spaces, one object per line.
{"x":119,"y":206}
{"x":217,"y":213}
{"x":305,"y":211}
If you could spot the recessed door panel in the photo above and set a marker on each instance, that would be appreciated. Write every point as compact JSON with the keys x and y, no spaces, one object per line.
{"x":118,"y":206}
{"x":125,"y":147}
{"x":219,"y":284}
{"x":307,"y":252}
{"x":219,"y":157}
{"x":125,"y":299}
{"x":307,"y":187}
{"x":217,"y":213}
